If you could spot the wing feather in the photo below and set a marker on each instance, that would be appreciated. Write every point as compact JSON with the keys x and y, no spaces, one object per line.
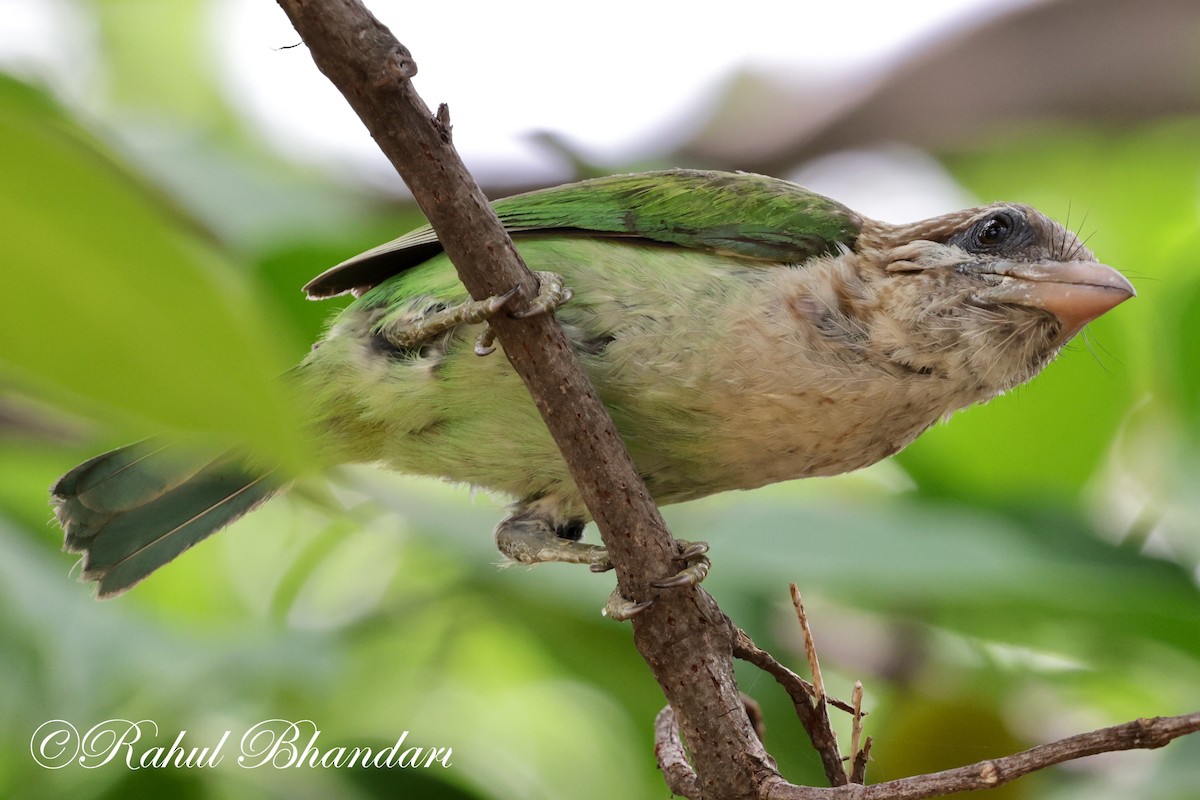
{"x":745,"y":215}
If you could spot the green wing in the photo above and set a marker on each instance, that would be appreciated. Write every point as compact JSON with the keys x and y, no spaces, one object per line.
{"x":747,"y":215}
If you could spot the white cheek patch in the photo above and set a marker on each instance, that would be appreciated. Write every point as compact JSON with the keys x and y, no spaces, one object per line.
{"x":920,"y":255}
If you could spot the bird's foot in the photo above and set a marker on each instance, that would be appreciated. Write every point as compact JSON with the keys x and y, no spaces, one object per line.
{"x":696,"y":566}
{"x":695,"y":570}
{"x":529,"y":538}
{"x":534,"y":539}
{"x":437,"y":322}
{"x":552,"y":293}
{"x":620,"y":608}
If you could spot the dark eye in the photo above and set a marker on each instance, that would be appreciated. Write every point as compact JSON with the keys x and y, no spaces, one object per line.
{"x":993,"y":231}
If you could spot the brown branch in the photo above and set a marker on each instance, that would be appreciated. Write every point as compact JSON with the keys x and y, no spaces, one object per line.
{"x":858,"y":767}
{"x":861,"y":752}
{"x":819,"y":728}
{"x":804,"y":699}
{"x":672,"y":757}
{"x":796,"y":687}
{"x":684,"y":637}
{"x":1139,"y":734}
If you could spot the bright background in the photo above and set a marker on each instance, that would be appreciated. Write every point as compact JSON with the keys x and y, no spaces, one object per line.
{"x":171,"y":173}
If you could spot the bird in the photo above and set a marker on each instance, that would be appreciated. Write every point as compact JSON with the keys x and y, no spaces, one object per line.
{"x":740,"y":329}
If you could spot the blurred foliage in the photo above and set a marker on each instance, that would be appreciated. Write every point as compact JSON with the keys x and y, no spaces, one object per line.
{"x":1024,"y":572}
{"x":56,"y":180}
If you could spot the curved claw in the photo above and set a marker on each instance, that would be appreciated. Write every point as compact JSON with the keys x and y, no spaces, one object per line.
{"x":698,"y":565}
{"x":485,"y":342}
{"x":623,"y":609}
{"x":683,"y":578}
{"x":552,"y":293}
{"x":502,"y":300}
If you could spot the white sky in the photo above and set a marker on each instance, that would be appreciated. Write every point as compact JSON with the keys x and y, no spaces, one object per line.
{"x":617,"y":80}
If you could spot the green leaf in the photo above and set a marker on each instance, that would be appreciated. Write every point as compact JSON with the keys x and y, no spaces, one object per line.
{"x":115,"y":305}
{"x":1041,"y":440}
{"x":1039,"y":578}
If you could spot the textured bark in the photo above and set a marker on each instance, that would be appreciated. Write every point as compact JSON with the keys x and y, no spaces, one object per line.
{"x":1140,"y":734}
{"x":684,"y":637}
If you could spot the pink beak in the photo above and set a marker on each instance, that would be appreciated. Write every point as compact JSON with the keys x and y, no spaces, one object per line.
{"x":1074,"y":291}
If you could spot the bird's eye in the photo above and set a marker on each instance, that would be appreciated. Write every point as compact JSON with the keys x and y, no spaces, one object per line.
{"x":993,"y":231}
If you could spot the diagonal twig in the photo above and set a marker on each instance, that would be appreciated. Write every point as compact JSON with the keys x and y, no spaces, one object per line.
{"x":672,"y":757}
{"x":801,"y":693}
{"x":796,"y":687}
{"x":1137,"y":734}
{"x":684,"y":637}
{"x":861,"y":753}
{"x":817,"y":724}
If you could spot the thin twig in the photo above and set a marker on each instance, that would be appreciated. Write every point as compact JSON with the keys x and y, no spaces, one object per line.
{"x":796,"y":687}
{"x":1139,"y":734}
{"x":819,"y":728}
{"x":672,"y":758}
{"x":858,"y":769}
{"x":856,"y":729}
{"x":802,"y":693}
{"x":757,"y":719}
{"x":810,"y":647}
{"x":671,"y":755}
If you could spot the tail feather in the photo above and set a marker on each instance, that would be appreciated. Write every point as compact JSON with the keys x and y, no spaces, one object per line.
{"x":130,"y":476}
{"x":134,"y":509}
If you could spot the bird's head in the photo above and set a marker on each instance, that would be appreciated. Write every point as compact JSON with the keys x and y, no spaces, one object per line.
{"x":988,"y":294}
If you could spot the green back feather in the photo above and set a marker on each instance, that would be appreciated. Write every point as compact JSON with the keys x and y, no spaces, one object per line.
{"x":751,"y":216}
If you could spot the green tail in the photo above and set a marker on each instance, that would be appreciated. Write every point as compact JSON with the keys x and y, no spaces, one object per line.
{"x":134,"y":509}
